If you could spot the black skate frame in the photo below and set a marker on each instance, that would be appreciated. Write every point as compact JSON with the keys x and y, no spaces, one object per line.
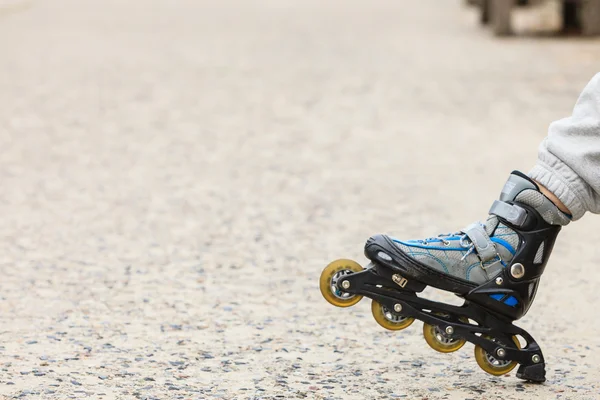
{"x":377,"y":283}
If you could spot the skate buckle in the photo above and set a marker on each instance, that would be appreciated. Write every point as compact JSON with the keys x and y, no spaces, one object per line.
{"x":492,"y":265}
{"x":399,"y":280}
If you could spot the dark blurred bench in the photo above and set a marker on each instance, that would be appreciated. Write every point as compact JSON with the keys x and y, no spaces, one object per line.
{"x":580,"y":15}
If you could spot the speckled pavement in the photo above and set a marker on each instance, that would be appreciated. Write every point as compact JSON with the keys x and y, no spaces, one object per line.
{"x":175,"y":175}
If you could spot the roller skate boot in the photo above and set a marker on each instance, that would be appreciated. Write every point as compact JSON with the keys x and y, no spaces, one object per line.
{"x":495,"y":266}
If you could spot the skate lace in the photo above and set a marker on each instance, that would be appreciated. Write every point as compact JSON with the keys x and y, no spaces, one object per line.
{"x":464,"y":241}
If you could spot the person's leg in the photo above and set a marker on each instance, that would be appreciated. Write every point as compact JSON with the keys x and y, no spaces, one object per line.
{"x":494,"y":265}
{"x":568,"y":165}
{"x":564,"y":184}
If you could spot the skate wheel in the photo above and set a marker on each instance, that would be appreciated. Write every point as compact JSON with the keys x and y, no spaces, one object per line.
{"x":329,"y":277}
{"x":439,"y":340}
{"x":388,"y":319}
{"x":492,"y":365}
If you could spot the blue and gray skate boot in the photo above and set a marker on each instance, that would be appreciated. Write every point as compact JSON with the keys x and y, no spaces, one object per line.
{"x":461,"y":261}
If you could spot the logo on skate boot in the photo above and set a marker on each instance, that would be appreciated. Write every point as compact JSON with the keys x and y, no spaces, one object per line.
{"x":399,"y":280}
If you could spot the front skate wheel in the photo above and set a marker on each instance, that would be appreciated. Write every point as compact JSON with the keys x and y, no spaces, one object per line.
{"x":388,"y":319}
{"x":492,"y":365}
{"x":438,"y":339}
{"x":332,"y":273}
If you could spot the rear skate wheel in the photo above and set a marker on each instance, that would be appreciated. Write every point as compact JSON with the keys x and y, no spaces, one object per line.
{"x":328,"y":282}
{"x":437,"y":338}
{"x":492,"y":365}
{"x":389,"y":320}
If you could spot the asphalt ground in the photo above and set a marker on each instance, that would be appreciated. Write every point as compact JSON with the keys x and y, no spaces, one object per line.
{"x":175,"y":175}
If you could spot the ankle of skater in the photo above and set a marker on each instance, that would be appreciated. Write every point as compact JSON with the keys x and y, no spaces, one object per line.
{"x":552,"y":197}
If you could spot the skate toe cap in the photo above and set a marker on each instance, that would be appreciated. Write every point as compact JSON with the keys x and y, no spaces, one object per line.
{"x":375,"y":244}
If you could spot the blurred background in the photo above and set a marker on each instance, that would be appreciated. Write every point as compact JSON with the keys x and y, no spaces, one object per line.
{"x":175,"y":175}
{"x":539,"y":16}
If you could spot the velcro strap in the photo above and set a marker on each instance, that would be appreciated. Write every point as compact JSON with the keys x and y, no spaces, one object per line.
{"x":512,"y":213}
{"x":486,"y":250}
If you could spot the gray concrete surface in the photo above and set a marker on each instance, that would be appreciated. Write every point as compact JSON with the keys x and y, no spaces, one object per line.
{"x":175,"y":175}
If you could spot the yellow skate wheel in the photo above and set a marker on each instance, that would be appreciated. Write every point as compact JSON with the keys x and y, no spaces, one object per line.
{"x":389,"y":320}
{"x":492,"y":365}
{"x":333,"y":272}
{"x":437,"y":338}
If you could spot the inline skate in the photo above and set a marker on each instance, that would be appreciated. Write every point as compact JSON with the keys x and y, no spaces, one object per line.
{"x":495,"y":267}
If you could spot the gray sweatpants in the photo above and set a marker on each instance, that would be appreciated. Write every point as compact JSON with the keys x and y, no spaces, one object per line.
{"x":569,"y":158}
